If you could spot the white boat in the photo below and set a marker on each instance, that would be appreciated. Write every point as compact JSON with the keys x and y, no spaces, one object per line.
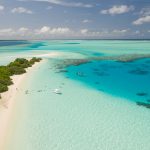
{"x":57,"y":91}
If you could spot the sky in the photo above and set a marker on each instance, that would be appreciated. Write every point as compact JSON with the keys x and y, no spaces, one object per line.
{"x":74,"y":19}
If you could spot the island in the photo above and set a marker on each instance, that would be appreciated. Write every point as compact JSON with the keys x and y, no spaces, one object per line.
{"x":17,"y":67}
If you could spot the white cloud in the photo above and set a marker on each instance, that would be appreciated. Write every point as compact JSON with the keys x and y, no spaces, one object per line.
{"x":118,"y":9}
{"x":23,"y":29}
{"x":86,"y":21}
{"x":142,"y":20}
{"x":84,"y":31}
{"x":10,"y":33}
{"x":2,"y":7}
{"x":44,"y":29}
{"x":6,"y":31}
{"x":44,"y":32}
{"x":148,"y":31}
{"x":144,"y":17}
{"x":21,"y":10}
{"x":64,"y":3}
{"x":103,"y":33}
{"x":49,"y":30}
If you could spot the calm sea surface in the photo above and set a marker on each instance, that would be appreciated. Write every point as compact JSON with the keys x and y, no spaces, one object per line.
{"x":97,"y":109}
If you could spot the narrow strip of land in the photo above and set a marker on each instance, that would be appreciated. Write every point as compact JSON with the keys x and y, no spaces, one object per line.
{"x":7,"y":102}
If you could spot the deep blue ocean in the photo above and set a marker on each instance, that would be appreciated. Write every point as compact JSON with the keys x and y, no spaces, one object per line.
{"x":12,"y":42}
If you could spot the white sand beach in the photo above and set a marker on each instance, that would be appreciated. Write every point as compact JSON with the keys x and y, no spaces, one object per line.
{"x":7,"y":102}
{"x":59,"y":54}
{"x":52,"y":54}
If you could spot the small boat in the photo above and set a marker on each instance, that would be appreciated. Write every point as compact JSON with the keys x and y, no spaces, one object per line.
{"x":57,"y":91}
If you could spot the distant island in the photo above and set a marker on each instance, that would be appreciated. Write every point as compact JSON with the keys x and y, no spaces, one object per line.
{"x":16,"y":67}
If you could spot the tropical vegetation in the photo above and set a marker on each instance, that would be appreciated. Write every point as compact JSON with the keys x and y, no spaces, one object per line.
{"x":16,"y":67}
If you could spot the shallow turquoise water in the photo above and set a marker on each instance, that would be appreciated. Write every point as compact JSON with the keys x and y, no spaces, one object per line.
{"x":81,"y":118}
{"x":119,"y":79}
{"x":96,"y":111}
{"x":82,"y":46}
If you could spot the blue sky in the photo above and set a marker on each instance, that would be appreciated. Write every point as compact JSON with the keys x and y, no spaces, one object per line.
{"x":74,"y":19}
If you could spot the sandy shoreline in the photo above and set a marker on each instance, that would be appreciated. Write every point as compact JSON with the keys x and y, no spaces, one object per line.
{"x":52,"y":54}
{"x":7,"y":103}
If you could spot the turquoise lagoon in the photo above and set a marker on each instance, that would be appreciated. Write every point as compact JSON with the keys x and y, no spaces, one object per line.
{"x":97,"y":109}
{"x":130,"y":80}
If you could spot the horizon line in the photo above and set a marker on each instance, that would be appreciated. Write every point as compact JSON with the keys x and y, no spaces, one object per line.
{"x":72,"y":39}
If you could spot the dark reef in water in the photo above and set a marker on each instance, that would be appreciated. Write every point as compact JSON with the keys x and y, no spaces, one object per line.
{"x":121,"y":58}
{"x":142,"y":94}
{"x":148,"y":100}
{"x":13,"y":42}
{"x":110,"y":74}
{"x":70,"y":62}
{"x":62,"y":71}
{"x":143,"y":104}
{"x":139,"y":72}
